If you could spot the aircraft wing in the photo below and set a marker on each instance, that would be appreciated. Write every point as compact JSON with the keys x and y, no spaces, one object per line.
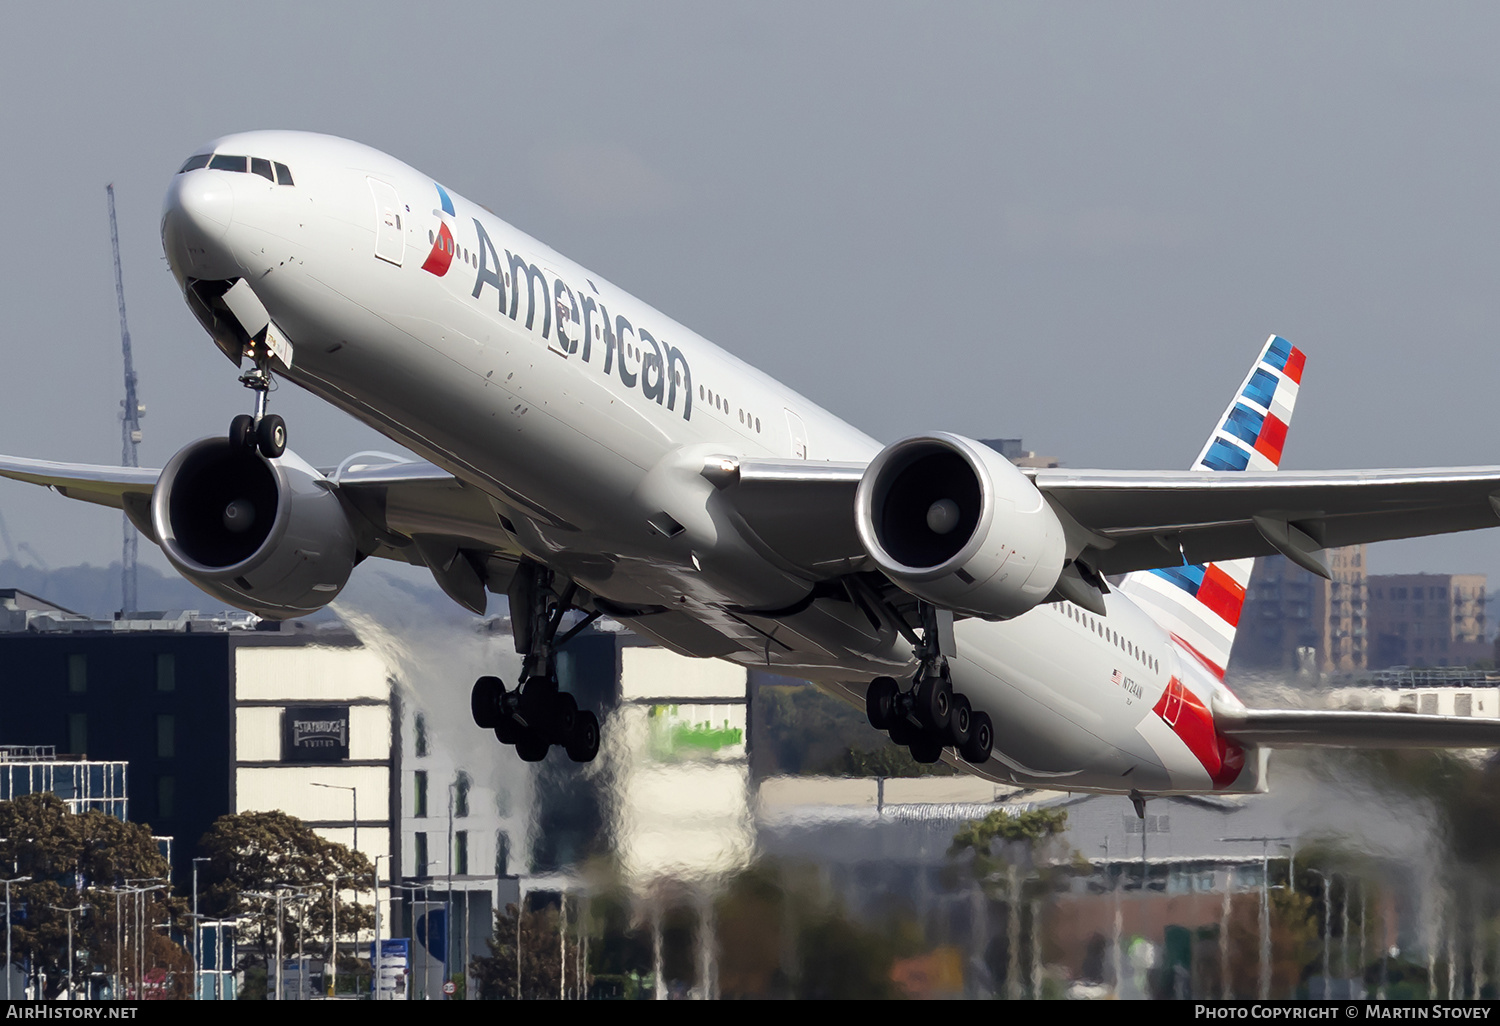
{"x":415,"y":512}
{"x":107,"y":486}
{"x":1317,"y":728}
{"x":1120,"y":520}
{"x":1140,"y":520}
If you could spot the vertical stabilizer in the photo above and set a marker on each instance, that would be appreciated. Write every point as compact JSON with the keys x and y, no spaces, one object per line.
{"x":1200,"y":603}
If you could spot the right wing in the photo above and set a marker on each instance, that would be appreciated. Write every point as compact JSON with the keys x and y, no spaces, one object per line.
{"x":415,"y":512}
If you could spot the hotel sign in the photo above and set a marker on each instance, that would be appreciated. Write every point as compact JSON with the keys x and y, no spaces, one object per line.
{"x":315,"y":733}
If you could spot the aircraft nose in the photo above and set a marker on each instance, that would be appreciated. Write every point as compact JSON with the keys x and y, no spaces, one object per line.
{"x":196,"y":215}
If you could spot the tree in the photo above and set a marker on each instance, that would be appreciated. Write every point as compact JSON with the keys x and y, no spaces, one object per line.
{"x":81,"y":860}
{"x":253,"y":856}
{"x":1007,"y":850}
{"x":803,"y":731}
{"x":495,"y":974}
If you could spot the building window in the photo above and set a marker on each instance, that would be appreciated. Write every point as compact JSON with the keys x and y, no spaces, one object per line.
{"x":419,"y":795}
{"x":461,"y":795}
{"x":166,"y":794}
{"x":166,"y":672}
{"x":78,"y":673}
{"x":78,"y":733}
{"x":502,"y":853}
{"x":166,"y":740}
{"x":461,"y":853}
{"x":419,"y":735}
{"x":419,"y":853}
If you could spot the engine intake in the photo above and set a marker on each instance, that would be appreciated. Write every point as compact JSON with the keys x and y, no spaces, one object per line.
{"x":953,"y":522}
{"x":268,"y":536}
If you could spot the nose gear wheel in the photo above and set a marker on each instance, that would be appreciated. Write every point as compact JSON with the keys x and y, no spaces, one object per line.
{"x":263,"y":432}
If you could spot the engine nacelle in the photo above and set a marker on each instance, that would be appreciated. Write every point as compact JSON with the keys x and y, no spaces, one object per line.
{"x":268,"y":536}
{"x":953,"y":522}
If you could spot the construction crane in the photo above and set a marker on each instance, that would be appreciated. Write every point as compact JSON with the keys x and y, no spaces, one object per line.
{"x":131,"y":412}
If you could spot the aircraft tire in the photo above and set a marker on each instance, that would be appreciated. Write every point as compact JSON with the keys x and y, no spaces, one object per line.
{"x":961,"y":723}
{"x":242,"y":433}
{"x":484,"y":702}
{"x":935,"y":702}
{"x":901,"y":731}
{"x":880,"y":701}
{"x":507,"y":730}
{"x":531,"y":748}
{"x":564,"y":717}
{"x":270,"y":436}
{"x":583,"y":745}
{"x":926,"y":751}
{"x":981,"y":741}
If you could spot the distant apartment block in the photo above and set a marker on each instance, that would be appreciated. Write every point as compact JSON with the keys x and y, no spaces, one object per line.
{"x":1429,"y":619}
{"x":1296,"y":622}
{"x":1013,"y":450}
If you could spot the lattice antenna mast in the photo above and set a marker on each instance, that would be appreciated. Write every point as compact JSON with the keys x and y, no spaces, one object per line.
{"x":131,"y":412}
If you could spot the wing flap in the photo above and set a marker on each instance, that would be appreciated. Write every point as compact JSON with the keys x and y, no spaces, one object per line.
{"x":1317,"y":728}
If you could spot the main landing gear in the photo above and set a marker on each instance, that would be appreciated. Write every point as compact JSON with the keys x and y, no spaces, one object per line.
{"x":265,"y":432}
{"x":929,"y":716}
{"x":537,"y":714}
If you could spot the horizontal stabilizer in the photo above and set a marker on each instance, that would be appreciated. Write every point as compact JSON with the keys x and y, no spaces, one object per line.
{"x":1320,"y":728}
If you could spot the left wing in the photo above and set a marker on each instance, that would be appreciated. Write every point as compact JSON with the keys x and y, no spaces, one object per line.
{"x":1128,"y":520}
{"x":1141,"y":520}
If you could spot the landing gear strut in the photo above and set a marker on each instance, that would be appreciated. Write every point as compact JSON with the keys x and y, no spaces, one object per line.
{"x":537,"y":714}
{"x":929,"y":716}
{"x":266,"y":432}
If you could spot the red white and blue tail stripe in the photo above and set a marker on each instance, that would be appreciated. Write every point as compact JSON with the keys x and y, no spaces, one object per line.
{"x":1199,"y":604}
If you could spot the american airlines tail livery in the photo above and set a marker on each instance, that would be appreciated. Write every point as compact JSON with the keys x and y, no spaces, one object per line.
{"x":587,"y":453}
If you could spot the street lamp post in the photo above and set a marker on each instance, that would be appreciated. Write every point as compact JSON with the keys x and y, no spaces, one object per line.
{"x":72,"y":996}
{"x":197,"y":933}
{"x":9,"y":961}
{"x":375,"y":948}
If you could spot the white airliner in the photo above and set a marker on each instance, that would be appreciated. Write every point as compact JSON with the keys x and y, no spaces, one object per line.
{"x":589,"y":453}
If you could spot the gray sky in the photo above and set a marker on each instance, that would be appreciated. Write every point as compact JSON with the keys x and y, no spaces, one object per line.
{"x":1070,"y":222}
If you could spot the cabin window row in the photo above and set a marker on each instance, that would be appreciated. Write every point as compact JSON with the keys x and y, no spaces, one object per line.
{"x":714,"y":399}
{"x":1112,"y":636}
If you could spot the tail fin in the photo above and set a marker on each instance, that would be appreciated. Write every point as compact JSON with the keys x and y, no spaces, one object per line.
{"x":1200,"y":603}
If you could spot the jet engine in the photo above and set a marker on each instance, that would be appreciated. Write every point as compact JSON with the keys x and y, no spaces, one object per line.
{"x":953,"y":522}
{"x":268,"y":536}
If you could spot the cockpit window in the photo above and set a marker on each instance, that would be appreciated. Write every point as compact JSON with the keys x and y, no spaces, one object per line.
{"x":272,"y":172}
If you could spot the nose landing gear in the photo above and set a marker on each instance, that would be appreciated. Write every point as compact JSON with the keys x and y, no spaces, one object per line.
{"x":537,"y":714}
{"x":929,"y":716}
{"x":263,"y":432}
